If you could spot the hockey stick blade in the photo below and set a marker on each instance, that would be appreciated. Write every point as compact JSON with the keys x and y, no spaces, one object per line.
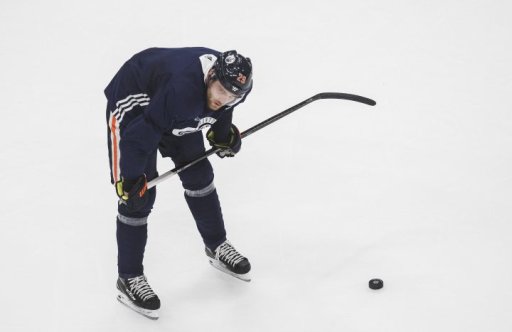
{"x":346,"y":96}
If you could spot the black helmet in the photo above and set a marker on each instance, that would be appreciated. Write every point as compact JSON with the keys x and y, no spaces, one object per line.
{"x":234,"y":72}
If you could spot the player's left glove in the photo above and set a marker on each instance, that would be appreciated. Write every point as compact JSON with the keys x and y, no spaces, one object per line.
{"x":133,"y":193}
{"x":229,"y":148}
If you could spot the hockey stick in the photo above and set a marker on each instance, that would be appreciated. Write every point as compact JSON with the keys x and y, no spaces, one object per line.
{"x":263,"y":124}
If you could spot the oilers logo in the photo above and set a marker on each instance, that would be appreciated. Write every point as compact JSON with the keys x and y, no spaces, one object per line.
{"x":202,"y":123}
{"x":230,"y":59}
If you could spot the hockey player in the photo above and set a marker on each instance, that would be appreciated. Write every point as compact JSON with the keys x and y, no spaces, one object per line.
{"x":160,"y":99}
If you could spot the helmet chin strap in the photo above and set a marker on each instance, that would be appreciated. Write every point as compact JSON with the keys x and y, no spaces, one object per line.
{"x":211,"y":77}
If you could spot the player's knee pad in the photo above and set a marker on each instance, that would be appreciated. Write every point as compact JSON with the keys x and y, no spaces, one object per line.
{"x":198,"y":176}
{"x":201,"y":192}
{"x":130,"y":221}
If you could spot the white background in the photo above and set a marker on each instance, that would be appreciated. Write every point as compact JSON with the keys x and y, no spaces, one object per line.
{"x":415,"y":190}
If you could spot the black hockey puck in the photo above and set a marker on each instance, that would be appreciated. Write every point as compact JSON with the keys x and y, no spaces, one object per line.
{"x":376,"y":284}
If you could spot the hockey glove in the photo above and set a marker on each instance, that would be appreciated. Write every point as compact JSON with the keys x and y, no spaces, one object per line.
{"x":229,"y":148}
{"x":133,"y":193}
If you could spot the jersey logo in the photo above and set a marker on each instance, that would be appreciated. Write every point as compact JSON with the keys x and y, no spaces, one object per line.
{"x":203,"y":123}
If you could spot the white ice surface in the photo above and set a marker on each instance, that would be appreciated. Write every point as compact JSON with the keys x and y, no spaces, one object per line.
{"x":416,"y":191}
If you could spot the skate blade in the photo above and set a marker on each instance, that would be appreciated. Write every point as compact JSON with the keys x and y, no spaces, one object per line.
{"x":221,"y":267}
{"x":151,"y":314}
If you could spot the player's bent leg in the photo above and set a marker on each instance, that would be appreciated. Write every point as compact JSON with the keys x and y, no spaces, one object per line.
{"x":205,"y":207}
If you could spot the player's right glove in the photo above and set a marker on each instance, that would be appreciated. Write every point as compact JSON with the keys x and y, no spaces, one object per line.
{"x":229,"y":148}
{"x":133,"y":193}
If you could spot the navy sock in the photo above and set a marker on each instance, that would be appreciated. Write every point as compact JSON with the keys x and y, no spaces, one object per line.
{"x":208,"y":216}
{"x":131,"y":242}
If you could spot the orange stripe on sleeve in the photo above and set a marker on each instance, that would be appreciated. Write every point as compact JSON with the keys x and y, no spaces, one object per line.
{"x":115,"y":156}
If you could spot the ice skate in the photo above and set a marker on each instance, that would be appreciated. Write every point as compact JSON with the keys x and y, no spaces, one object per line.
{"x":230,"y":261}
{"x":137,"y":295}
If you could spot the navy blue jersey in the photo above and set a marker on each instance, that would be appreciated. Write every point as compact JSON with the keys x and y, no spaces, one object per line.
{"x":157,"y":91}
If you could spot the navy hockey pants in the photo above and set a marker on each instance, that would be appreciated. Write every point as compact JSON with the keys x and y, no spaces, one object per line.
{"x":200,"y":194}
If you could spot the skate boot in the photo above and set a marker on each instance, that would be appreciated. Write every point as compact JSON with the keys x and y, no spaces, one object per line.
{"x":230,"y":261}
{"x":137,"y":295}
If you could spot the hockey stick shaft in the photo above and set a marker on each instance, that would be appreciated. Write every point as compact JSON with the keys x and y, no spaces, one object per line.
{"x":263,"y":124}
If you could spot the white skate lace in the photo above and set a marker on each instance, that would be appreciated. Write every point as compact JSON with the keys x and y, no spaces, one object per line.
{"x":229,"y":254}
{"x":139,"y":286}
